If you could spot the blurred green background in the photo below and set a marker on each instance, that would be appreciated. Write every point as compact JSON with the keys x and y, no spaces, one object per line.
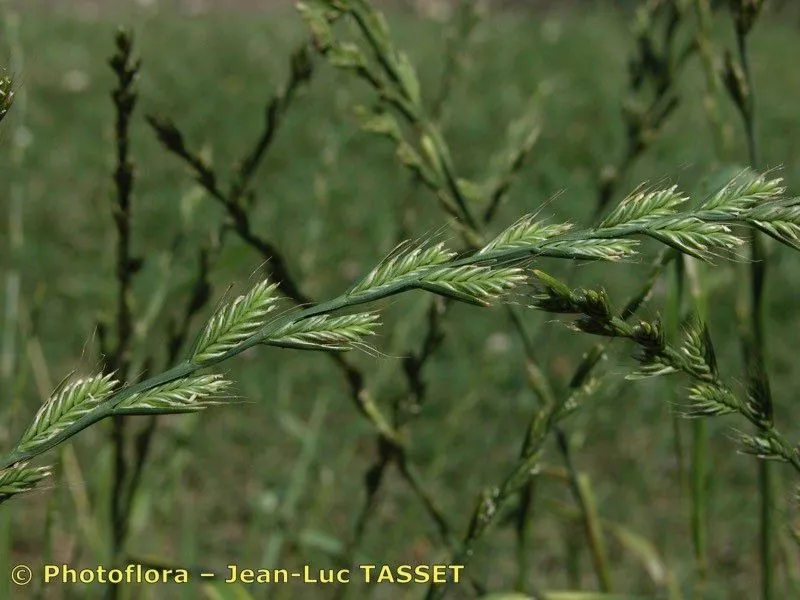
{"x":278,"y":477}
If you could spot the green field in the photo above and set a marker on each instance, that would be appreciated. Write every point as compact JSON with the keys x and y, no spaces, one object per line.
{"x":277,"y":478}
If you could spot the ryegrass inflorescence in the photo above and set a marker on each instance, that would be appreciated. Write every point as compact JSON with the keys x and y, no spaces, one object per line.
{"x":476,"y":278}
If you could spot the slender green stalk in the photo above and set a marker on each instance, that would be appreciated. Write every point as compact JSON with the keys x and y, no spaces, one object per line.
{"x":758,"y":273}
{"x":675,"y":295}
{"x":741,"y":88}
{"x":522,"y":531}
{"x":579,"y":485}
{"x":719,"y":131}
{"x":124,"y":97}
{"x":699,"y":505}
{"x":700,"y":480}
{"x":698,"y":502}
{"x":766,"y":477}
{"x":700,"y":473}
